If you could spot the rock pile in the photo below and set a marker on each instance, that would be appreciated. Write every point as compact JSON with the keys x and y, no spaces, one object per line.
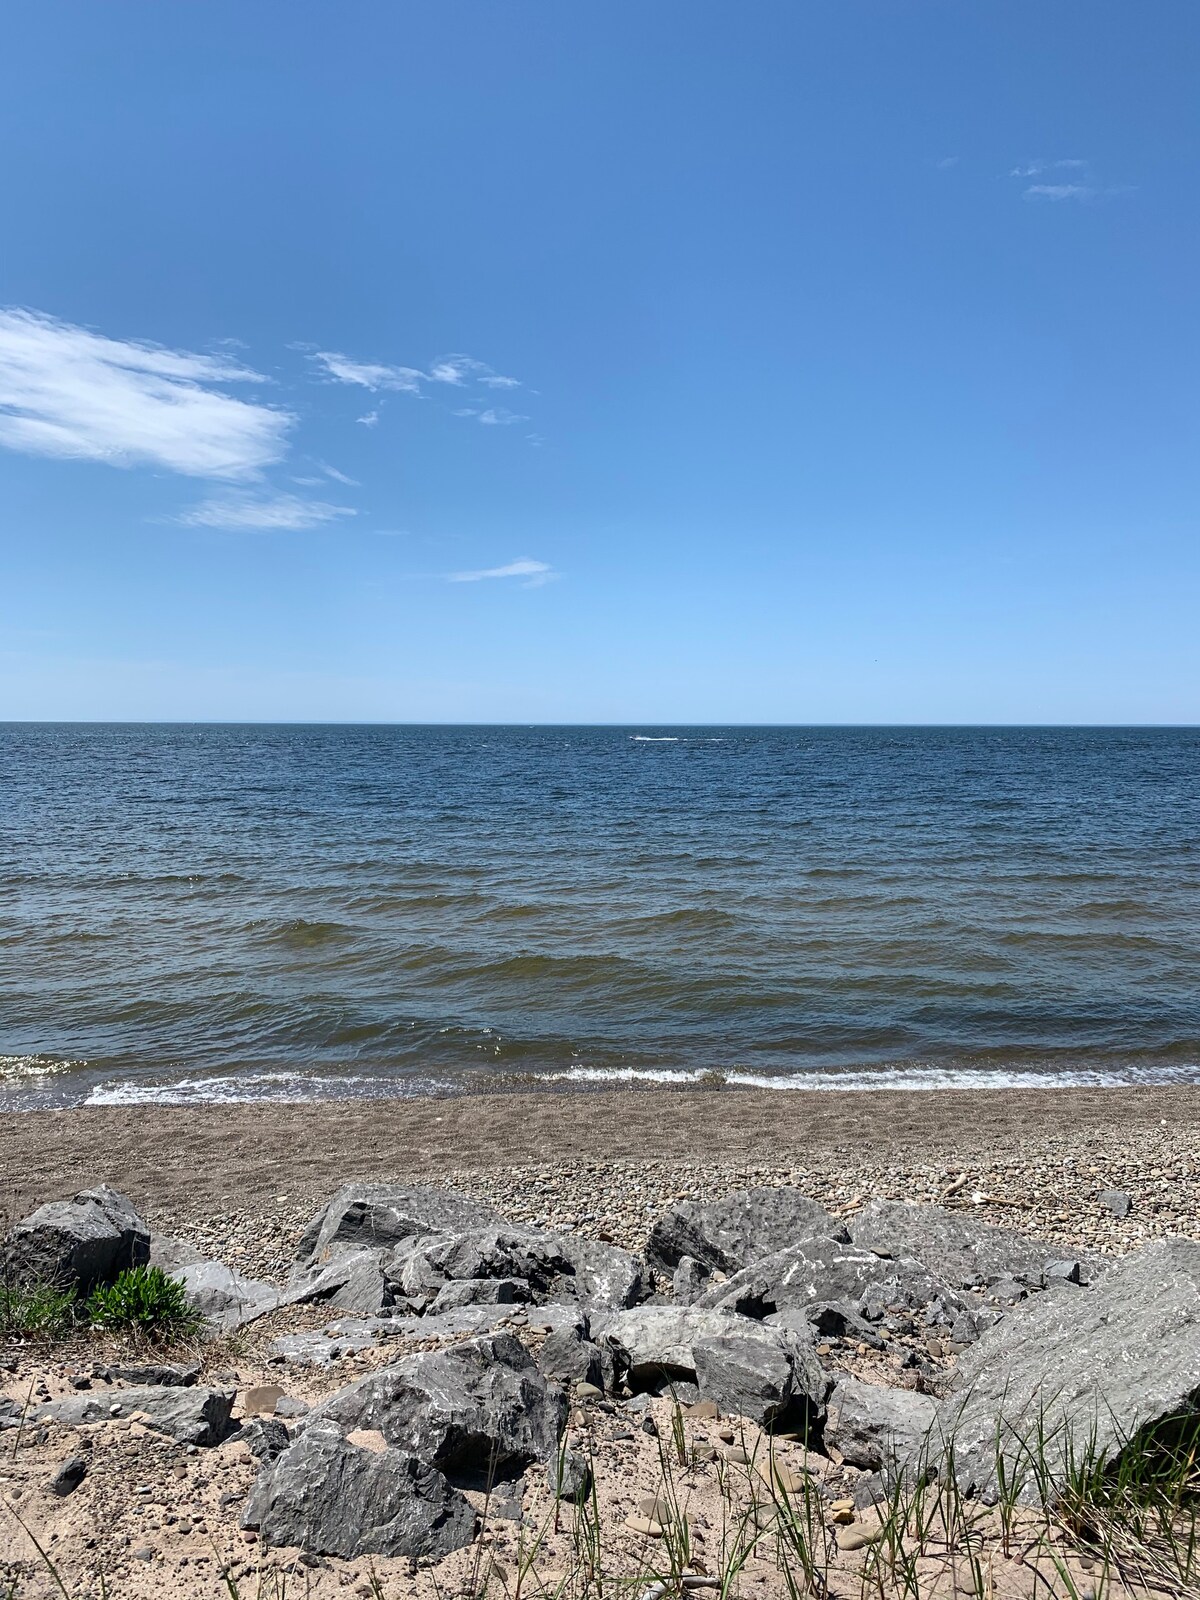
{"x":751,"y":1304}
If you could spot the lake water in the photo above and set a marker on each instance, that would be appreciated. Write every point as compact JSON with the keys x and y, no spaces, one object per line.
{"x":209,"y":912}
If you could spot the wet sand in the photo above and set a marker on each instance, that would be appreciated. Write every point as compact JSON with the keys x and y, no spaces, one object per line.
{"x":187,"y":1160}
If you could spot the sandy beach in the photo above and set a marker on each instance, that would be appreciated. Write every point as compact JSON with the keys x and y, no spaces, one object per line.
{"x":244,"y":1178}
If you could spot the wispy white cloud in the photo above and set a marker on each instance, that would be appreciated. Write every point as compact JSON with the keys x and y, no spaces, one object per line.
{"x":947,"y":162}
{"x":337,"y":476}
{"x":491,"y":416}
{"x":1060,"y":191}
{"x":286,"y":512}
{"x":535,"y":573}
{"x":465,"y":369}
{"x":68,"y":392}
{"x":371,"y":420}
{"x":1068,"y":178}
{"x":373,"y":375}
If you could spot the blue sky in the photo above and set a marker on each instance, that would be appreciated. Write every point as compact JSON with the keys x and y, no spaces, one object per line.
{"x":682,"y":361}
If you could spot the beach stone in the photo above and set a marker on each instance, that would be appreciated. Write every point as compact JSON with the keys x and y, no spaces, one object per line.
{"x":568,"y":1476}
{"x":474,"y":1409}
{"x":171,"y":1254}
{"x":819,"y":1270}
{"x":191,"y":1415}
{"x":76,"y":1243}
{"x":957,"y":1246}
{"x":330,"y":1497}
{"x":873,"y":1426}
{"x":261,"y":1401}
{"x":68,"y":1477}
{"x":153,"y":1373}
{"x":1117,"y":1202}
{"x":1088,"y":1370}
{"x":728,"y":1234}
{"x":223,"y":1297}
{"x":688,"y":1281}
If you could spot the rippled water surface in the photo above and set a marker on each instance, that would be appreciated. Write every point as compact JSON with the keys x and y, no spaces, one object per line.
{"x":286,"y":912}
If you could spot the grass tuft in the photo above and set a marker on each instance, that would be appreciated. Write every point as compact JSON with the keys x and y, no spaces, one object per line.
{"x":143,"y":1300}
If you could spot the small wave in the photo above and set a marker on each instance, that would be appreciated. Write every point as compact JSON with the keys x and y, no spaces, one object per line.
{"x":654,"y":738}
{"x":280,"y":1088}
{"x":19,"y":1069}
{"x":302,"y":935}
{"x":902,"y":1076}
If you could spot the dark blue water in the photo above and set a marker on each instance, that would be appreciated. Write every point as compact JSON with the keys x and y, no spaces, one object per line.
{"x":192,"y":912}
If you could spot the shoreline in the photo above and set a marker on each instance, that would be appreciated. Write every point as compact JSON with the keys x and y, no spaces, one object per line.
{"x":246,"y":1177}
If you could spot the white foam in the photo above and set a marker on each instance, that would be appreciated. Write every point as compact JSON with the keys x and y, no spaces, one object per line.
{"x":893,"y":1077}
{"x":24,"y":1067}
{"x":280,"y":1088}
{"x":654,"y":738}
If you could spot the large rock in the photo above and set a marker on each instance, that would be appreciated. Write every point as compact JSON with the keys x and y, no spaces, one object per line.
{"x":961,"y":1248}
{"x":77,"y":1243}
{"x":552,"y":1266}
{"x":223,"y":1297}
{"x":815,"y":1271}
{"x":331,"y":1497}
{"x":1084,"y":1371}
{"x":746,"y":1367}
{"x":874,"y":1427}
{"x":379,"y":1216}
{"x":728,"y":1234}
{"x":355,"y":1280}
{"x":191,"y":1415}
{"x":474,"y":1410}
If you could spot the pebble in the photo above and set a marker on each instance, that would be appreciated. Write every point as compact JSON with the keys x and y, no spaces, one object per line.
{"x":646,"y":1526}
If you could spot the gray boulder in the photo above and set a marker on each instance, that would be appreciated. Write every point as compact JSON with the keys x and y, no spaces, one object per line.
{"x":771,"y":1376}
{"x":153,"y":1373}
{"x":568,"y":1476}
{"x":333,"y":1498}
{"x":379,"y":1216}
{"x":474,"y":1410}
{"x":189,"y":1415}
{"x":874,"y":1427}
{"x":1086,"y":1371}
{"x":728,"y":1234}
{"x":264,"y":1437}
{"x":355,"y":1280}
{"x":816,"y":1271}
{"x":480,"y":1292}
{"x":570,"y":1358}
{"x":551,"y":1266}
{"x":1117,"y":1202}
{"x":958,"y":1246}
{"x":77,"y":1243}
{"x":688,"y":1281}
{"x":223,"y":1297}
{"x":746,"y":1367}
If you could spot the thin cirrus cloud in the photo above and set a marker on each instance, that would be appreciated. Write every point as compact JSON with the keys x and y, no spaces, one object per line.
{"x":457,"y":371}
{"x":535,"y":573}
{"x":70,"y":393}
{"x":267,"y":513}
{"x":1065,"y":179}
{"x":491,"y":416}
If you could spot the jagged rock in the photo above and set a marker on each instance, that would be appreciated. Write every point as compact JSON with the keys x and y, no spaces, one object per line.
{"x":264,"y":1437}
{"x":379,"y":1216}
{"x":77,"y":1243}
{"x":567,"y":1356}
{"x":551,"y":1266}
{"x":832,"y":1319}
{"x":771,"y":1376}
{"x":474,"y":1410}
{"x":815,"y":1271}
{"x":874,"y":1427}
{"x":731,"y":1233}
{"x":354,"y":1280}
{"x":568,"y":1476}
{"x":171,"y":1254}
{"x":1086,"y":1371}
{"x":1116,"y":1201}
{"x":688,"y":1281}
{"x":153,"y":1373}
{"x":480,"y":1292}
{"x":957,"y":1246}
{"x":333,"y":1498}
{"x":190,"y":1415}
{"x":736,"y":1362}
{"x":68,"y":1477}
{"x":223,"y":1297}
